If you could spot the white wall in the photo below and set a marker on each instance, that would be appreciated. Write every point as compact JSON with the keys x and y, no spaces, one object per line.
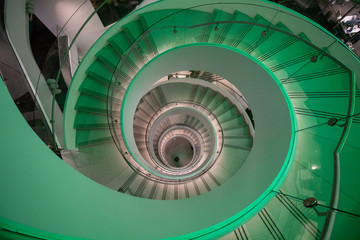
{"x":55,"y":14}
{"x":17,"y":23}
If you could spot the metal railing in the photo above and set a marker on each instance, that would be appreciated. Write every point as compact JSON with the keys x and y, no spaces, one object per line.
{"x":167,"y":24}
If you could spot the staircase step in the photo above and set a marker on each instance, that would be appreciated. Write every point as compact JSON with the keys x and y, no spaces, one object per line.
{"x":151,"y":102}
{"x":232,"y":146}
{"x":174,"y":17}
{"x":97,"y":94}
{"x":210,"y":94}
{"x":92,"y":126}
{"x":109,"y":56}
{"x":121,"y":44}
{"x":209,"y":28}
{"x":93,"y":141}
{"x":181,"y":191}
{"x":232,"y":113}
{"x":219,"y":173}
{"x":233,"y":124}
{"x":129,"y":177}
{"x":140,"y":121}
{"x":134,"y":31}
{"x":231,"y":160}
{"x":218,"y":98}
{"x":146,"y":108}
{"x":235,"y":29}
{"x":266,"y":49}
{"x":241,"y":142}
{"x":96,"y":110}
{"x":195,"y":188}
{"x":154,"y":191}
{"x":216,"y":30}
{"x":99,"y":71}
{"x":292,"y":56}
{"x":150,"y":47}
{"x":98,"y":103}
{"x":269,"y":50}
{"x":159,"y":95}
{"x":213,"y":178}
{"x":242,"y":31}
{"x":158,"y":191}
{"x":202,"y":91}
{"x":225,"y":28}
{"x":223,"y":107}
{"x":146,"y":192}
{"x":135,"y":186}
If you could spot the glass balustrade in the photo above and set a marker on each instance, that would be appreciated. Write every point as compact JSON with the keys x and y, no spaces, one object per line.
{"x":324,"y":152}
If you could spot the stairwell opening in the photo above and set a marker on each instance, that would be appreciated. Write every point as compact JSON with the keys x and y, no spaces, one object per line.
{"x":179,"y":152}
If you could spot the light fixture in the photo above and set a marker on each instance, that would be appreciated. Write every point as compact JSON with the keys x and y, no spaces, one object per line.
{"x":314,"y":58}
{"x":310,"y":202}
{"x":332,"y":122}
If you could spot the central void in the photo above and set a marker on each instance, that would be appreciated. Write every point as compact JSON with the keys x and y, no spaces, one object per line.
{"x":178,"y":152}
{"x":268,"y":160}
{"x":273,"y":139}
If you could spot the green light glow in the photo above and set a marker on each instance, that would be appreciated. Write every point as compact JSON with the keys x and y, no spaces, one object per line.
{"x":233,"y":222}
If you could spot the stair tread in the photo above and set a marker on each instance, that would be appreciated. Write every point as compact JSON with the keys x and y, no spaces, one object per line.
{"x":98,"y":94}
{"x":94,"y":110}
{"x":109,"y":57}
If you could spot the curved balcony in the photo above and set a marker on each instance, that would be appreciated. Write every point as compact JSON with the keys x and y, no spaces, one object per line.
{"x":279,"y":70}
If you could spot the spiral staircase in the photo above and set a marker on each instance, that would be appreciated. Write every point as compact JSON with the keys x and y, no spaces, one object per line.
{"x":162,"y":112}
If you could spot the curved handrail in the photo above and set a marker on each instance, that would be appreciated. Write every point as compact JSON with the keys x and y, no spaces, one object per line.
{"x":335,"y":192}
{"x":181,"y":102}
{"x":142,"y":172}
{"x":194,"y":7}
{"x":320,"y":52}
{"x":192,"y":104}
{"x":163,"y":135}
{"x":347,"y":128}
{"x":62,"y":62}
{"x":233,"y":92}
{"x":195,"y":139}
{"x":55,"y":143}
{"x":67,"y":53}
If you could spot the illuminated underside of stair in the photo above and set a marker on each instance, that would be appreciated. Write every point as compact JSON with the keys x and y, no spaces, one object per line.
{"x":300,"y":67}
{"x":294,"y":79}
